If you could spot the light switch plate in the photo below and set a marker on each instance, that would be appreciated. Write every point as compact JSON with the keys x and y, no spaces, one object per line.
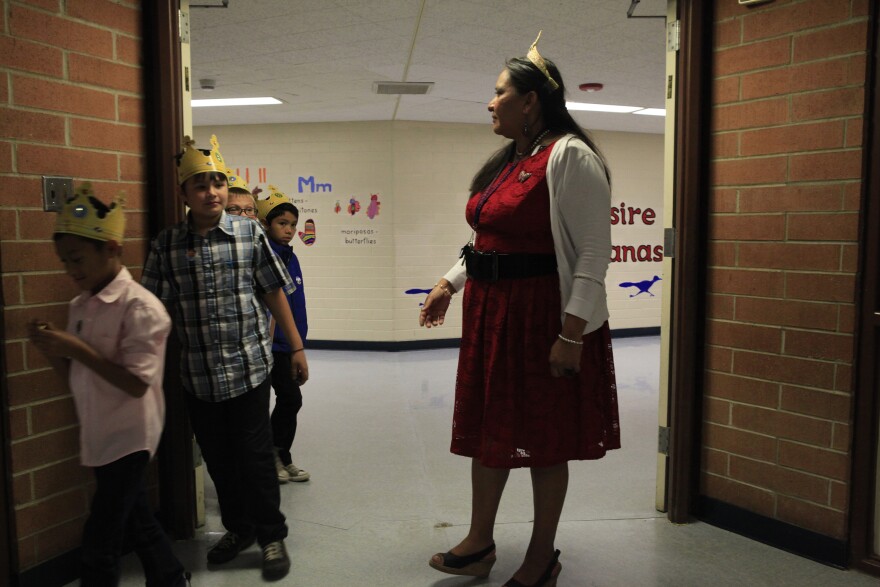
{"x":56,"y":191}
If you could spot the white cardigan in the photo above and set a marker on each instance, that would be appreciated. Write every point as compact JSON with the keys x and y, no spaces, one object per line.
{"x":580,"y":200}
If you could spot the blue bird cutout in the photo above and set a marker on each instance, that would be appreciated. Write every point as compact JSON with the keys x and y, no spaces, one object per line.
{"x":644,"y":286}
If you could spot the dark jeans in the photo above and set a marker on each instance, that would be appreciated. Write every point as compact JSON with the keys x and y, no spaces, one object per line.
{"x":121,"y":514}
{"x":288,"y":401}
{"x":236,"y":443}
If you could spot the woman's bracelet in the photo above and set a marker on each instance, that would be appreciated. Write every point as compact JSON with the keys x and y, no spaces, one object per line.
{"x":445,"y":289}
{"x":570,"y":341}
{"x":296,"y":351}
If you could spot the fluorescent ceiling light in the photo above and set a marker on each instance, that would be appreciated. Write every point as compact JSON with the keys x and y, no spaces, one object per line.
{"x":651,"y":111}
{"x":235,"y":102}
{"x":601,"y":107}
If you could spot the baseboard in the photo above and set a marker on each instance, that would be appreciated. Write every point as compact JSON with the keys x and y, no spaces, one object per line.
{"x":437,"y":343}
{"x":56,"y":572}
{"x":805,"y":543}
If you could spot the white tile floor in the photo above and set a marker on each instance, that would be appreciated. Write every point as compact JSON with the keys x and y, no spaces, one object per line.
{"x":386,"y":494}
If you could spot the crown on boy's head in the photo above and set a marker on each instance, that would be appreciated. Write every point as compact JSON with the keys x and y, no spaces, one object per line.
{"x":86,"y":215}
{"x":192,"y":161}
{"x":276,"y":198}
{"x":236,"y":181}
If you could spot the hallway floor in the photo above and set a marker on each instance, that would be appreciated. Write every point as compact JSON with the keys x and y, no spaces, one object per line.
{"x":385,"y":494}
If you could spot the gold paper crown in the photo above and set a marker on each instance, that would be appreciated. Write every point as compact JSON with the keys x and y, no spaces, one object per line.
{"x":85,"y":215}
{"x":276,"y":198}
{"x":236,"y":181}
{"x":539,"y":62}
{"x":192,"y":161}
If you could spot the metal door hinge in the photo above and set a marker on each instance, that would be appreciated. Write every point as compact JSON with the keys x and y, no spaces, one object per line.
{"x":669,"y":243}
{"x":673,"y":35}
{"x":183,"y":25}
{"x":663,"y":440}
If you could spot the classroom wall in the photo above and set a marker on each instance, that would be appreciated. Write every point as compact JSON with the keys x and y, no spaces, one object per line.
{"x":387,"y":201}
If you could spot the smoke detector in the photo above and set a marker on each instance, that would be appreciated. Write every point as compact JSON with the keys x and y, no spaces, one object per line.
{"x":402,"y":87}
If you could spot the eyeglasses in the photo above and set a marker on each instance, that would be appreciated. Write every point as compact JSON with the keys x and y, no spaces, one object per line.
{"x":241,"y":211}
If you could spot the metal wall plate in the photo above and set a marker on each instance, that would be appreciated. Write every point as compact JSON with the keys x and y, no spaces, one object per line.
{"x":56,"y":191}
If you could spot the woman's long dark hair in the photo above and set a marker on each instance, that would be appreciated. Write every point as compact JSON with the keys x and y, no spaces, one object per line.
{"x":525,"y":77}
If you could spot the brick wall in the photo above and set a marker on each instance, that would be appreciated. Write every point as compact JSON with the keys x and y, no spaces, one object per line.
{"x":70,"y":104}
{"x":788,"y":103}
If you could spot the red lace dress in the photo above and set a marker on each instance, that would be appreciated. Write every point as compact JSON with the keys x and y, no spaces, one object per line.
{"x":509,"y":411}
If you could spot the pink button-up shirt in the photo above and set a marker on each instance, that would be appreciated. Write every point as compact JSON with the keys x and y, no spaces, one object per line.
{"x":128,"y":325}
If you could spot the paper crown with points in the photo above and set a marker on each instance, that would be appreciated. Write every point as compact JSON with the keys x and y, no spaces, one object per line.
{"x":87,"y":216}
{"x":236,"y":181}
{"x":276,"y":198}
{"x":539,"y":62}
{"x":192,"y":161}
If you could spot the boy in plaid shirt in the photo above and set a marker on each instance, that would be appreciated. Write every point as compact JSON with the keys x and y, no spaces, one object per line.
{"x":212,"y":271}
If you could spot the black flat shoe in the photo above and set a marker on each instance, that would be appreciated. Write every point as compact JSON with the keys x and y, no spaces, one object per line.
{"x":548,"y":579}
{"x":478,"y":564}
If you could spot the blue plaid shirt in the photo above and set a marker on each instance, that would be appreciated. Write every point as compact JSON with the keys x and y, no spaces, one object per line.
{"x":211,"y":287}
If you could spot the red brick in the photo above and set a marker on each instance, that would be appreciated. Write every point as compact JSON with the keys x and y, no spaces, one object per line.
{"x":134,"y":193}
{"x":720,"y":307}
{"x":750,"y":114}
{"x":17,"y":256}
{"x":18,"y":424}
{"x":753,"y":56}
{"x":815,"y":460}
{"x":842,"y":438}
{"x":718,"y":359}
{"x":725,"y":10}
{"x":48,"y":287}
{"x":745,"y":282}
{"x":742,"y":389}
{"x":744,"y":336}
{"x":783,"y":369}
{"x":839,"y":498}
{"x":50,"y":512}
{"x":5,"y":157}
{"x":132,"y":168}
{"x":714,"y":461}
{"x":749,"y":171}
{"x":70,"y":162}
{"x":34,"y":359}
{"x":792,"y":198}
{"x":821,"y":227}
{"x":36,"y":225}
{"x":19,"y":191}
{"x":60,"y":539}
{"x":849,"y":262}
{"x":722,"y":200}
{"x":17,"y":318}
{"x":27,"y":552}
{"x":787,"y":313}
{"x":829,"y":42}
{"x":15,"y":357}
{"x":782,"y":425}
{"x":797,"y":78}
{"x":728,"y":32}
{"x":62,"y":97}
{"x":60,"y":476}
{"x":747,"y":227}
{"x":739,"y":442}
{"x":128,"y":50}
{"x":31,"y":57}
{"x":857,"y":71}
{"x":109,"y":14}
{"x":779,"y":479}
{"x":828,"y":104}
{"x":41,"y":450}
{"x":721,"y":254}
{"x":813,"y":517}
{"x":9,"y":224}
{"x":53,"y":415}
{"x":4,"y":88}
{"x":843,"y":378}
{"x":805,"y":257}
{"x":131,"y":109}
{"x":792,"y":139}
{"x":855,"y":129}
{"x":725,"y":145}
{"x":60,"y":32}
{"x":794,"y":18}
{"x":50,"y":5}
{"x":852,"y":196}
{"x":820,"y":287}
{"x":860,"y":8}
{"x":753,"y":499}
{"x":104,"y":73}
{"x":27,"y":388}
{"x":725,"y":90}
{"x":716,"y":411}
{"x":107,"y":135}
{"x":826,"y":166}
{"x":22,"y":489}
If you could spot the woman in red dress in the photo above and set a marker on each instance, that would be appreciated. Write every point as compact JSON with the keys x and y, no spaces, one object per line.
{"x":535,"y":385}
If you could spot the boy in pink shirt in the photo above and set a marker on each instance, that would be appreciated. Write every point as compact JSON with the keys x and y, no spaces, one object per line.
{"x":112,"y":356}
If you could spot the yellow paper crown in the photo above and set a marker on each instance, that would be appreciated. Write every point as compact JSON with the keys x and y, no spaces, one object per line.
{"x":539,"y":62}
{"x":276,"y":198}
{"x":85,"y":215}
{"x":192,"y":161}
{"x":236,"y":181}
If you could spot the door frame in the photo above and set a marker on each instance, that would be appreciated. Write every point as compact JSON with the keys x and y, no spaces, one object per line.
{"x":866,"y":398}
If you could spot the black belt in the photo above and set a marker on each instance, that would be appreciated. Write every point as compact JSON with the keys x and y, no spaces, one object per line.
{"x":493,"y":266}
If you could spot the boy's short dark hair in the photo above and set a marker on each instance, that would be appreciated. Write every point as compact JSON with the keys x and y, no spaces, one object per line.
{"x":279,"y":210}
{"x":206,"y":176}
{"x":98,"y":244}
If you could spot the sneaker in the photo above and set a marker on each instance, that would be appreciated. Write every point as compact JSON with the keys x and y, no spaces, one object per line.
{"x":276,"y":563}
{"x":294,"y":473}
{"x":228,"y":547}
{"x":281,"y":470}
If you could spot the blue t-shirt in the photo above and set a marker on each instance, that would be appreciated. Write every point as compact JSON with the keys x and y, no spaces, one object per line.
{"x":297,"y":299}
